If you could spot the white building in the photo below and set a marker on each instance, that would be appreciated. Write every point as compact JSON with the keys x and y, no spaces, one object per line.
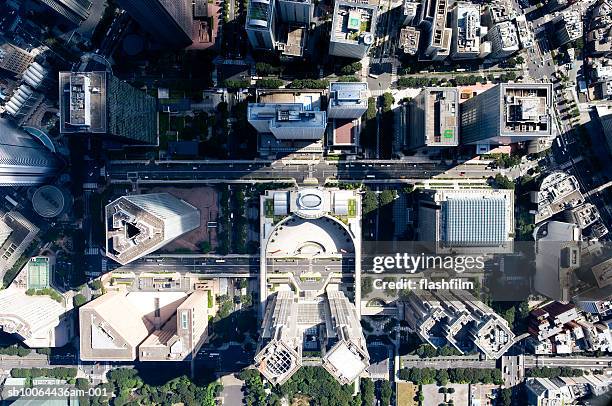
{"x":504,"y":40}
{"x":310,"y":312}
{"x":287,"y":121}
{"x":141,"y":224}
{"x":347,"y":100}
{"x":467,"y":32}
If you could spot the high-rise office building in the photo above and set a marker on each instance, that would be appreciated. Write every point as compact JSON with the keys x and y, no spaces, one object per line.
{"x":315,"y":309}
{"x":411,"y":10}
{"x":260,"y":24}
{"x":508,"y":113}
{"x":353,"y":29}
{"x":347,"y":100}
{"x":467,"y":32}
{"x":141,"y":224}
{"x":169,"y":21}
{"x":23,"y":159}
{"x":14,"y":59}
{"x":99,"y":103}
{"x":434,"y":118}
{"x":439,"y":43}
{"x":75,"y":11}
{"x":160,"y":318}
{"x":296,"y":11}
{"x":504,"y":40}
{"x":287,"y":121}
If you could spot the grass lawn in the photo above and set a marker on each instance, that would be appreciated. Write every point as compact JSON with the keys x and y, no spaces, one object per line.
{"x":406,"y":393}
{"x":352,"y":208}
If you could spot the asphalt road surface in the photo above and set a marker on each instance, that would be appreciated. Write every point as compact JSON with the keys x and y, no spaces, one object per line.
{"x":169,"y":171}
{"x":241,"y":266}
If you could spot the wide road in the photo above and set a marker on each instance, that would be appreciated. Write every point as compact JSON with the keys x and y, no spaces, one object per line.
{"x":533,"y":361}
{"x":243,"y":266}
{"x":201,"y":171}
{"x":467,"y":361}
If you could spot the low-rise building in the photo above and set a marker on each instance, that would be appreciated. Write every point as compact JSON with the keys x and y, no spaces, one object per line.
{"x":468,"y":220}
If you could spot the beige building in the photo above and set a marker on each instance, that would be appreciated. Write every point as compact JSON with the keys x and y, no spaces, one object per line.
{"x":146,"y":320}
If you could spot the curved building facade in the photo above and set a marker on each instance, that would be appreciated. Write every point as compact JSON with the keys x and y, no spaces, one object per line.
{"x":23,"y":159}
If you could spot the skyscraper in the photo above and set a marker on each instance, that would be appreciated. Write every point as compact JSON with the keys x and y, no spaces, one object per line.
{"x":508,"y":113}
{"x":260,"y":24}
{"x":169,"y":21}
{"x":141,"y":224}
{"x":315,"y":309}
{"x":99,"y":103}
{"x":23,"y":159}
{"x":353,"y":29}
{"x":75,"y":11}
{"x":434,"y":118}
{"x":296,"y":11}
{"x":347,"y":100}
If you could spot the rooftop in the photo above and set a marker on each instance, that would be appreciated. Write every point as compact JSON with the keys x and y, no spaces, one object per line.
{"x":260,"y":14}
{"x":354,"y":22}
{"x":441,"y":116}
{"x":347,"y":93}
{"x":409,"y":40}
{"x":558,"y":191}
{"x":83,"y":102}
{"x":468,"y":27}
{"x":527,"y":108}
{"x":138,"y":225}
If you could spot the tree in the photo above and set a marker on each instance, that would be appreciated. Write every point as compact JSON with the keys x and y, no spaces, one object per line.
{"x":370,"y":202}
{"x":388,"y":101}
{"x":205,"y":247}
{"x":269,"y":83}
{"x":506,"y":397}
{"x":351,"y":68}
{"x":96,"y":284}
{"x":385,"y":393}
{"x":503,"y":182}
{"x":387,"y":197}
{"x":264,"y":68}
{"x":367,"y":391}
{"x":367,"y":286}
{"x":79,"y":300}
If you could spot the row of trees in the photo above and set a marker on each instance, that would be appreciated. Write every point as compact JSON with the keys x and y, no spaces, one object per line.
{"x":553,"y":372}
{"x":424,"y":376}
{"x":129,"y":388}
{"x":58,"y":373}
{"x":15,"y":350}
{"x":309,"y":84}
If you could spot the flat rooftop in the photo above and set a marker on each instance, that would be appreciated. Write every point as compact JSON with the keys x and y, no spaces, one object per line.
{"x":83,"y":102}
{"x":527,"y":108}
{"x":310,"y":99}
{"x":296,"y":36}
{"x":344,"y":132}
{"x":409,"y":40}
{"x":468,"y":27}
{"x":441,"y":117}
{"x":286,"y":115}
{"x":354,"y":22}
{"x":344,"y":93}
